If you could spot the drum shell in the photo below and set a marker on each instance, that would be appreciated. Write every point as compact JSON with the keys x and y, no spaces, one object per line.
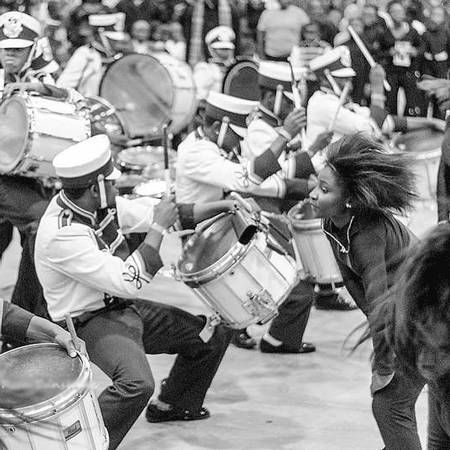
{"x":319,"y":263}
{"x":227,"y":287}
{"x":51,"y":126}
{"x":70,"y":420}
{"x":424,"y":148}
{"x":142,"y":104}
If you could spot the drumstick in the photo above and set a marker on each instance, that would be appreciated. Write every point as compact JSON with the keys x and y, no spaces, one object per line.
{"x":297,"y":99}
{"x":73,"y":333}
{"x":366,"y":53}
{"x":342,"y":99}
{"x":166,"y":159}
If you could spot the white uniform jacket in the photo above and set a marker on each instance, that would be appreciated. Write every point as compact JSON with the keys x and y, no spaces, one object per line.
{"x":83,"y":71}
{"x":203,"y":173}
{"x":261,"y":134}
{"x":75,"y":266}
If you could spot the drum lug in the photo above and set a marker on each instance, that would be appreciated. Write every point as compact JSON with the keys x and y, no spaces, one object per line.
{"x":11,"y":429}
{"x":260,"y":304}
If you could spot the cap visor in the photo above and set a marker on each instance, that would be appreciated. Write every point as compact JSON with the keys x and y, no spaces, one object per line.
{"x":241,"y":131}
{"x":114,"y":175}
{"x":289,"y":95}
{"x":223,"y":46}
{"x":344,"y":73}
{"x":15,"y":43}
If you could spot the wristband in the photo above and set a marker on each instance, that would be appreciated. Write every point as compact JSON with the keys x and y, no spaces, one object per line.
{"x":157,"y":227}
{"x":283,"y":133}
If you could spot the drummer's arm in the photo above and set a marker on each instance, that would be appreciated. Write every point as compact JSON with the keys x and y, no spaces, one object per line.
{"x":191,"y":214}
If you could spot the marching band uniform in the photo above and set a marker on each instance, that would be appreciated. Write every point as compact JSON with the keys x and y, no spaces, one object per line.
{"x":23,"y":200}
{"x":86,"y":270}
{"x":204,"y":173}
{"x":286,"y":331}
{"x":208,"y":75}
{"x":351,"y":118}
{"x":84,"y":70}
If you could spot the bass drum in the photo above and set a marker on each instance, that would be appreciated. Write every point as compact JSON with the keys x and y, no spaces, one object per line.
{"x":241,"y":80}
{"x":148,"y":92}
{"x":34,"y":129}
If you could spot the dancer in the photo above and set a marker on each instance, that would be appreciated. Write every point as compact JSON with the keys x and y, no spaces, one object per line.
{"x":358,"y":190}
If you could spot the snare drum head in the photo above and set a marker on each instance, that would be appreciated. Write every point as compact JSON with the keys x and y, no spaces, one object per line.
{"x":241,"y":80}
{"x":151,"y":188}
{"x":149,"y":159}
{"x":42,"y":370}
{"x":14,"y":126}
{"x":140,"y":88}
{"x":420,"y":141}
{"x":202,"y":251}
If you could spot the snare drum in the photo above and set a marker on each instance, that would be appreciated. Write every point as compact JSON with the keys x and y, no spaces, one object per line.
{"x":241,"y":80}
{"x":319,"y":263}
{"x":244,"y":283}
{"x":33,"y":130}
{"x":148,"y":91}
{"x":424,"y":146}
{"x":63,"y":413}
{"x":151,"y":188}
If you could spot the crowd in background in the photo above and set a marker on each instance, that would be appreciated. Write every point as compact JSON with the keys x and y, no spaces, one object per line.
{"x":410,"y":38}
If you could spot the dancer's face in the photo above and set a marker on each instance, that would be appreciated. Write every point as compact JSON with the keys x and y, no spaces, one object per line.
{"x":328,"y":198}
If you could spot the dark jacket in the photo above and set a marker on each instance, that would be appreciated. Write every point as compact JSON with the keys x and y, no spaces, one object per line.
{"x":443,"y":182}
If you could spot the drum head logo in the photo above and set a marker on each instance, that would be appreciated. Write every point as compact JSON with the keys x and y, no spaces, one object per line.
{"x":12,"y":28}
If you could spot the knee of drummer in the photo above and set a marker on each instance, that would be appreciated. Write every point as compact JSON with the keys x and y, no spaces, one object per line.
{"x":139,"y":389}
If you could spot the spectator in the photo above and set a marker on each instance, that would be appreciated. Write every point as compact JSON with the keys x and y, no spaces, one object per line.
{"x":402,"y":46}
{"x":279,"y":30}
{"x":135,"y":10}
{"x":437,"y":44}
{"x":253,"y":13}
{"x":140,"y":36}
{"x":201,"y":16}
{"x":316,"y":11}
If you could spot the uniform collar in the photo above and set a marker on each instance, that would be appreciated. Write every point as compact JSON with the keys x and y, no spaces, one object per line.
{"x":268,"y":116}
{"x":81,"y":214}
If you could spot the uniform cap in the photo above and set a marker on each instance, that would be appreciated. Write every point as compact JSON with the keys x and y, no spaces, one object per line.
{"x":80,"y":164}
{"x":18,"y":30}
{"x":337,"y":61}
{"x":220,"y":37}
{"x":236,"y":109}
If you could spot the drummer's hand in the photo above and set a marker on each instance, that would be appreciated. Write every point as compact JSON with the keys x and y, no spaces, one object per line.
{"x":295,"y":121}
{"x":437,"y":124}
{"x":64,"y":339}
{"x":312,"y":182}
{"x":22,"y":87}
{"x":165,"y":213}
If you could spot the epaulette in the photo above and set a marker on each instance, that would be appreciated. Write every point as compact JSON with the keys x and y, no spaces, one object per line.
{"x":65,"y":218}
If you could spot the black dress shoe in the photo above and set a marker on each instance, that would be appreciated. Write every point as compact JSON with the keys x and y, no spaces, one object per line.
{"x":305,"y":347}
{"x":154,"y":414}
{"x":242,"y":339}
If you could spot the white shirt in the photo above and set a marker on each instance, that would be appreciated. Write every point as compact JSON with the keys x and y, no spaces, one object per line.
{"x":203,"y":174}
{"x":83,"y":71}
{"x":75,"y":274}
{"x":208,"y":77}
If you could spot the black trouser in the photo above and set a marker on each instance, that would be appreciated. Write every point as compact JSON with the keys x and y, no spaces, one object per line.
{"x":289,"y":326}
{"x":394,"y":410}
{"x":22,"y":204}
{"x":438,"y":420}
{"x":118,"y":340}
{"x":415,"y":99}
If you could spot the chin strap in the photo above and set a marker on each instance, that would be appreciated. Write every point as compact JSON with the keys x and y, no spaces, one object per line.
{"x":102,"y":191}
{"x":223,"y":131}
{"x":278,"y":99}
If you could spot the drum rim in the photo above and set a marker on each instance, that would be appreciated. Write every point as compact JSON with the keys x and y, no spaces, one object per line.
{"x":216,"y":270}
{"x":54,"y":405}
{"x":118,"y":112}
{"x":244,"y":62}
{"x":24,"y":100}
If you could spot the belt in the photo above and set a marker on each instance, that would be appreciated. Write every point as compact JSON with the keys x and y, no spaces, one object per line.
{"x":114,"y":303}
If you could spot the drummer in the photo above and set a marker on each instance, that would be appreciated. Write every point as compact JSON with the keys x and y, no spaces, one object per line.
{"x":87,"y":271}
{"x":334,"y":71}
{"x":23,"y":200}
{"x":84,"y":70}
{"x":208,"y":75}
